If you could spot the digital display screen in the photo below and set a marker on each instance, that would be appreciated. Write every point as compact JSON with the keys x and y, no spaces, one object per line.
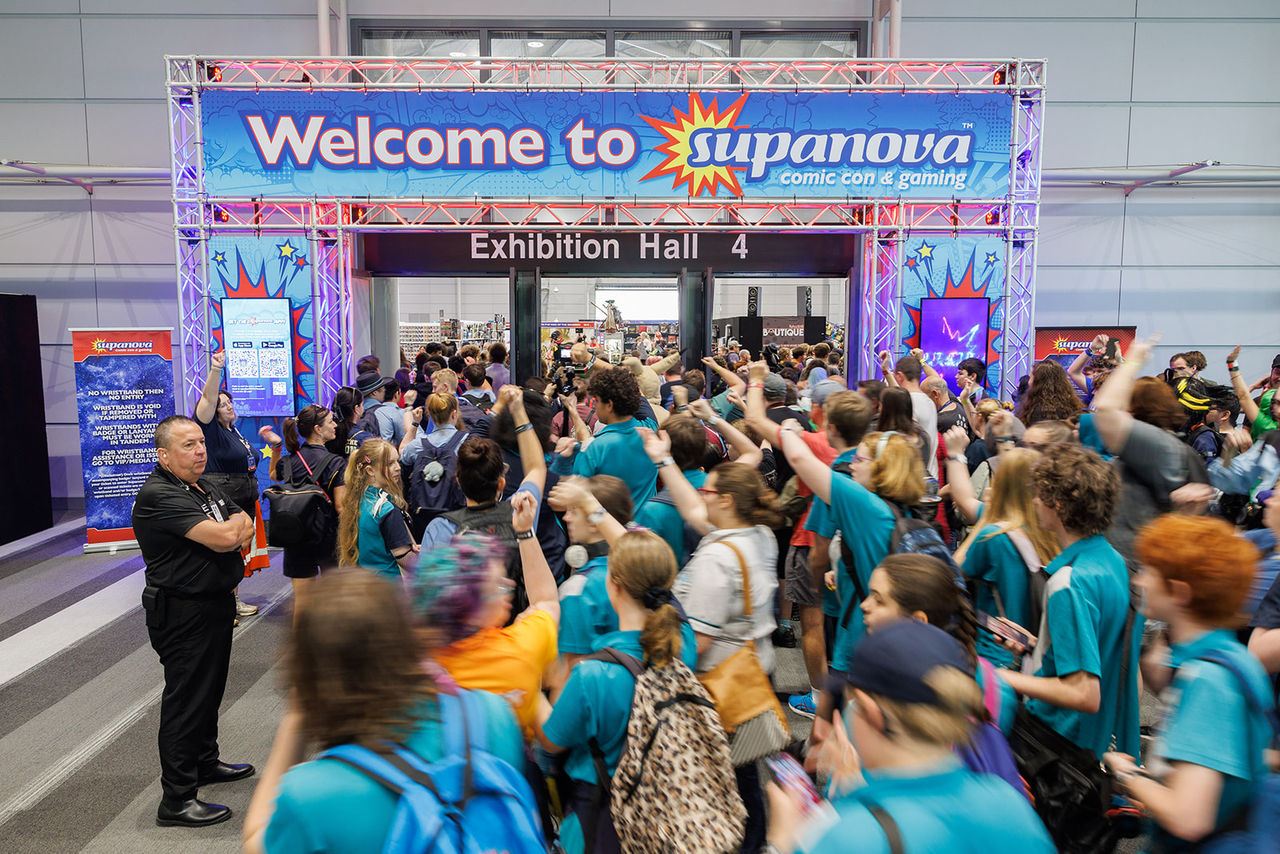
{"x":952,"y":330}
{"x":257,"y":335}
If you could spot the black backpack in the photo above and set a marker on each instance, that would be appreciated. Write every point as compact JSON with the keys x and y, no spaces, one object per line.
{"x":471,"y":412}
{"x":301,"y":514}
{"x":494,"y":519}
{"x":368,"y":422}
{"x":433,"y":485}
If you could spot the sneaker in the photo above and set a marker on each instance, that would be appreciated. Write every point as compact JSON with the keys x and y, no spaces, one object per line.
{"x":235,"y":624}
{"x":245,"y":610}
{"x":785,"y":637}
{"x":803,"y":704}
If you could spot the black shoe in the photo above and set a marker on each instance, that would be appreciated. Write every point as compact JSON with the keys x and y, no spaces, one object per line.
{"x":785,"y":637}
{"x":225,"y":772}
{"x":191,"y":813}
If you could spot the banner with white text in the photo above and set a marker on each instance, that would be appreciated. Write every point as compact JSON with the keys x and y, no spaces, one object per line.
{"x":759,"y":144}
{"x":124,"y":388}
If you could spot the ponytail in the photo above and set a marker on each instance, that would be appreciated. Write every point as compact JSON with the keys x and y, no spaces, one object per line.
{"x":753,"y":501}
{"x":291,"y":441}
{"x":643,"y":565}
{"x":660,"y":639}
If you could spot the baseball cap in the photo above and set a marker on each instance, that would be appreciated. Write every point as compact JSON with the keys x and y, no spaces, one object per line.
{"x":775,"y":387}
{"x":894,"y":661}
{"x":823,"y":390}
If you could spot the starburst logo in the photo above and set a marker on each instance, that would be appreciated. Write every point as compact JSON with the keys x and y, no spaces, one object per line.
{"x":678,"y":148}
{"x":102,"y":345}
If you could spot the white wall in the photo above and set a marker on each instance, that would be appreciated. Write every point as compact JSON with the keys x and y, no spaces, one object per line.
{"x":1131,"y":82}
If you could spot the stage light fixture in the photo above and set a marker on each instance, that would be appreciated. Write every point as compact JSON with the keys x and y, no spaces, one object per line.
{"x":1005,"y":75}
{"x":212,"y":72}
{"x":358,"y":213}
{"x":993,"y":216}
{"x":218,"y":213}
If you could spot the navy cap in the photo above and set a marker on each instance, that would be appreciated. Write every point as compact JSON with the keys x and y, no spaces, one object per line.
{"x":369,"y":382}
{"x":893,"y":661}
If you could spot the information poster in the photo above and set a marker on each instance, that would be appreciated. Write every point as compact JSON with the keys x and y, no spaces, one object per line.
{"x":257,"y":335}
{"x":124,"y":388}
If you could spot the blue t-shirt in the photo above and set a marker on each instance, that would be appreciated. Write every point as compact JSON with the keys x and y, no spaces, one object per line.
{"x":1263,"y":603}
{"x":994,"y":560}
{"x":617,"y":450}
{"x":1210,"y":723}
{"x":323,"y":805}
{"x":866,"y":524}
{"x":664,"y":519}
{"x":382,"y":530}
{"x":1086,"y":602}
{"x":940,"y":808}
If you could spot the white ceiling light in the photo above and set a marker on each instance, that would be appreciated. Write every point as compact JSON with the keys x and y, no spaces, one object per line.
{"x":534,"y":44}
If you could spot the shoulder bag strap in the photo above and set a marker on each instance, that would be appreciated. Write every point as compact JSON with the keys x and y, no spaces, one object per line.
{"x":1267,"y":710}
{"x":746,"y":575}
{"x":1125,"y":643}
{"x":888,"y":825}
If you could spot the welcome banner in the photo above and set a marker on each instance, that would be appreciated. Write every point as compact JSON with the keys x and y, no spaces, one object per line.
{"x":124,"y":388}
{"x":758,"y":144}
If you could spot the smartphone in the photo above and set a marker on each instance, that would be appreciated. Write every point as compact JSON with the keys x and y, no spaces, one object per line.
{"x":1113,"y":350}
{"x":1007,"y":629}
{"x":790,"y":775}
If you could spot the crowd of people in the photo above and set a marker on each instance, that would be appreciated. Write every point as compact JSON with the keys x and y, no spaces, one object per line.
{"x":519,"y":582}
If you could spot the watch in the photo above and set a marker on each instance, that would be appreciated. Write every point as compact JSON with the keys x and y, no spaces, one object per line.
{"x":595,"y":517}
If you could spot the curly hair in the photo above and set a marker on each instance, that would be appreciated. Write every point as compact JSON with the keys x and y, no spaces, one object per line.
{"x":1206,"y":555}
{"x":1079,"y":486}
{"x":370,"y":463}
{"x":1049,"y":397}
{"x":617,"y":387}
{"x":448,"y":588}
{"x":353,"y":662}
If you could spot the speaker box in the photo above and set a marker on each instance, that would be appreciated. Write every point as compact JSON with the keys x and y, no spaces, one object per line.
{"x":815,"y":329}
{"x":26,"y":504}
{"x":750,"y":334}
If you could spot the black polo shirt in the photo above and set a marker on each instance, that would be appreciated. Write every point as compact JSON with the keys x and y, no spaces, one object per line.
{"x":228,"y":450}
{"x":164,"y":511}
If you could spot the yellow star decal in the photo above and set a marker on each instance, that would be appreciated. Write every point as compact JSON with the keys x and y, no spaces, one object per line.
{"x":286,"y":249}
{"x":925,"y":251}
{"x":266,"y":452}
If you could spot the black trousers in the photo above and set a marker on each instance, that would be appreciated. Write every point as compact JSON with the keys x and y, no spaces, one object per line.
{"x":193,"y":639}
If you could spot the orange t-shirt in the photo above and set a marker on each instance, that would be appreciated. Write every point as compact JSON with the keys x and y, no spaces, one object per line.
{"x":508,"y":662}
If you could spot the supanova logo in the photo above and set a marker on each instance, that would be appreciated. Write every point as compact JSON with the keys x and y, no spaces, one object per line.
{"x":1065,"y":344}
{"x":101,"y":345}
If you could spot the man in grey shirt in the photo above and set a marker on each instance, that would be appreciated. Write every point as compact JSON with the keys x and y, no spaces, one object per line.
{"x":906,"y":374}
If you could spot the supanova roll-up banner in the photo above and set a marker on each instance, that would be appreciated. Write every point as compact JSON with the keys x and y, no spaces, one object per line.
{"x":124,"y":388}
{"x":1064,"y":343}
{"x":567,"y":144}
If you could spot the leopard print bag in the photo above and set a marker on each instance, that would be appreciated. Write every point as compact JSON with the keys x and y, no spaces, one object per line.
{"x":674,"y":789}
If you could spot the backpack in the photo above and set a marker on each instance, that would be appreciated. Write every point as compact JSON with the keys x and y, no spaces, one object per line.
{"x":301,"y":515}
{"x":674,"y":788}
{"x":368,"y":421}
{"x":988,"y":751}
{"x":467,"y":801}
{"x":1203,"y":430}
{"x":494,"y":519}
{"x":433,"y":487}
{"x":1262,"y":820}
{"x":1037,"y":581}
{"x":471,"y":412}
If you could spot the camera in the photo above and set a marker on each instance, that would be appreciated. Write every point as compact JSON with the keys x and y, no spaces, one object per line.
{"x":564,"y":379}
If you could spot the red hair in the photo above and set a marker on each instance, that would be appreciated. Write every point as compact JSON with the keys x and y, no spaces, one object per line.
{"x":1206,"y":554}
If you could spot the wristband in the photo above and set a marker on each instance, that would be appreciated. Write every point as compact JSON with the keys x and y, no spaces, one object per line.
{"x":668,"y":460}
{"x":684,"y":407}
{"x":1004,"y":440}
{"x":956,"y":458}
{"x":714,"y":420}
{"x":524,"y":427}
{"x":524,"y":535}
{"x":755,"y":385}
{"x":1231,"y":369}
{"x":595,"y":517}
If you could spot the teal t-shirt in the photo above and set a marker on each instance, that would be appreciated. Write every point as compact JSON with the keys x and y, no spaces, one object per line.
{"x":1086,"y":601}
{"x":726,"y":410}
{"x":664,"y":519}
{"x":867,"y":523}
{"x":942,"y":808}
{"x":585,"y":611}
{"x":325,"y":806}
{"x":819,"y":522}
{"x":376,"y":512}
{"x":617,"y":450}
{"x":1210,"y":722}
{"x":994,"y":561}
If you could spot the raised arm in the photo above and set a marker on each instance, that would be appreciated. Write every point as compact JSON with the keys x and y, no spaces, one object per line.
{"x":731,"y":379}
{"x":1247,"y":406}
{"x":572,"y":492}
{"x":928,"y":370}
{"x":749,"y":454}
{"x":272,"y":438}
{"x":961,"y":488}
{"x":569,"y":403}
{"x":207,"y":405}
{"x":1075,"y":372}
{"x":690,"y":505}
{"x":886,"y":369}
{"x":1111,"y":403}
{"x":755,"y":408}
{"x":813,"y":471}
{"x":666,"y":363}
{"x":531,"y":457}
{"x":539,"y":583}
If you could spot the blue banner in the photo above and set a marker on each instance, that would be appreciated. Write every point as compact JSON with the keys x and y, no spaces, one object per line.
{"x":124,"y":388}
{"x":760,"y":144}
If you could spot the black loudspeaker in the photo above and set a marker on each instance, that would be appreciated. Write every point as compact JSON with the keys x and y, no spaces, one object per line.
{"x":753,"y":302}
{"x":815,"y":329}
{"x":750,"y":334}
{"x":26,"y":504}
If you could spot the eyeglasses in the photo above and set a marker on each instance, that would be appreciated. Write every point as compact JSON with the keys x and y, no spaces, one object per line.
{"x":505,"y":588}
{"x":707,"y":491}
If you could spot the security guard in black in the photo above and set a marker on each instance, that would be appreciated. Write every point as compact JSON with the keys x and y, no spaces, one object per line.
{"x":190,"y":535}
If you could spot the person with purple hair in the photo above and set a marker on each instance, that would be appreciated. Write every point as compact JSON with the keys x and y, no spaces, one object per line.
{"x":462,"y":592}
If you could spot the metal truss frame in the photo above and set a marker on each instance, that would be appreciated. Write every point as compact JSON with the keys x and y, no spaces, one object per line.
{"x":331,"y":223}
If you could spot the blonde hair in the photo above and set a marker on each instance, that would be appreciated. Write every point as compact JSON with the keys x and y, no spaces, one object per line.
{"x":446,"y":377}
{"x":373,"y":456}
{"x":440,"y":407}
{"x":639,"y":562}
{"x":948,"y":722}
{"x":897,"y":471}
{"x":1012,"y":506}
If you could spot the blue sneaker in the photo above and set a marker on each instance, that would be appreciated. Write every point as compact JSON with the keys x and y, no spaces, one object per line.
{"x":802,"y":704}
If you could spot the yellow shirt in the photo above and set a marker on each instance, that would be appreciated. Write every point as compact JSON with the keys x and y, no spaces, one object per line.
{"x":508,"y":662}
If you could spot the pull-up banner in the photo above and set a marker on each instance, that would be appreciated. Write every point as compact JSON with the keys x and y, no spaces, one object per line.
{"x":565,"y":144}
{"x":124,"y":388}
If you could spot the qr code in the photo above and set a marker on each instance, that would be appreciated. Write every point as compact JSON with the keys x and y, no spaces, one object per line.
{"x":278,"y":388}
{"x":242,"y":362}
{"x":274,"y":363}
